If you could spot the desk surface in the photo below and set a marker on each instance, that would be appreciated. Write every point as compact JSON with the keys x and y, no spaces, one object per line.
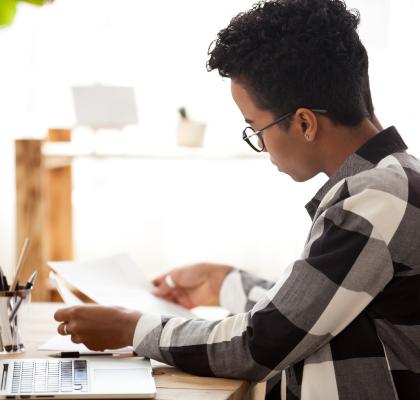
{"x":171,"y":383}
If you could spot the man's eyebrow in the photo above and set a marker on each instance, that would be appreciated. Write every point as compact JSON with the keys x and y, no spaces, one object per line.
{"x":248,"y":121}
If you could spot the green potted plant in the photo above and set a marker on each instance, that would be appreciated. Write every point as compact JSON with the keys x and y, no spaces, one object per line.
{"x":190,"y":133}
{"x":8,"y":9}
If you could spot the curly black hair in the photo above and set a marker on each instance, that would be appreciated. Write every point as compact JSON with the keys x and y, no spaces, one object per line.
{"x":298,"y":53}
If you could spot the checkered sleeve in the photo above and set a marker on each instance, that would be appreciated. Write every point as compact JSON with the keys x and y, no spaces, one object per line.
{"x":241,"y":290}
{"x":345,"y":264}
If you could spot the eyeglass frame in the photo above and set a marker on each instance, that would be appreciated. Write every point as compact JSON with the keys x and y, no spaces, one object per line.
{"x":258,"y":133}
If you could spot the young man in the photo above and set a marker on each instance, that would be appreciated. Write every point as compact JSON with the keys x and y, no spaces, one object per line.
{"x":343,"y":321}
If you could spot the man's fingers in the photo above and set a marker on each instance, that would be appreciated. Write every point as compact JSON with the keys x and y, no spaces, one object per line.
{"x":63,"y":314}
{"x":182,"y":298}
{"x":101,"y":326}
{"x":175,"y":295}
{"x":168,"y":297}
{"x":185,"y":301}
{"x":163,"y":289}
{"x":76,"y":339}
{"x":94,"y":346}
{"x":157,"y":281}
{"x":68,"y":328}
{"x":174,"y":277}
{"x":62,"y":329}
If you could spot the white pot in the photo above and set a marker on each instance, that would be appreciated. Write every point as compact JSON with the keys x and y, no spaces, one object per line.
{"x":190,"y":133}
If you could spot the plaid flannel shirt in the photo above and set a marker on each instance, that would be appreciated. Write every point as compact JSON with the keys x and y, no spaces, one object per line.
{"x":343,"y":321}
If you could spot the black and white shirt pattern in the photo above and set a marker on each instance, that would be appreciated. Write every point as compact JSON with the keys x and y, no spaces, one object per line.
{"x":343,"y":321}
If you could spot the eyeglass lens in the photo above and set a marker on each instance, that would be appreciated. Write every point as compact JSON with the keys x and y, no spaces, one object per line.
{"x":254,"y":140}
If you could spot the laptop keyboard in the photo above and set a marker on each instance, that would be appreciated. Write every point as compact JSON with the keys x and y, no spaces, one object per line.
{"x":42,"y":376}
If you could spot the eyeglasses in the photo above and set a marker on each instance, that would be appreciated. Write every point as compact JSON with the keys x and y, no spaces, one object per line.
{"x":254,"y":138}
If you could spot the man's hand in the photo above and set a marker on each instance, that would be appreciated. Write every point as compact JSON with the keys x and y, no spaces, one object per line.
{"x":98,"y":327}
{"x":195,"y":285}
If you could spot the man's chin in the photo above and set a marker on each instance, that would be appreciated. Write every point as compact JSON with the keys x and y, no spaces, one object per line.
{"x":275,"y":164}
{"x":300,"y":178}
{"x":279,"y":169}
{"x":296,"y":177}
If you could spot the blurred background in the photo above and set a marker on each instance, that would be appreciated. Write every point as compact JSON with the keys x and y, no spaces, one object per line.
{"x":132,"y":188}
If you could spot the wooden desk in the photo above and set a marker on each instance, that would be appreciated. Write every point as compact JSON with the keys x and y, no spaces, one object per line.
{"x":171,"y":383}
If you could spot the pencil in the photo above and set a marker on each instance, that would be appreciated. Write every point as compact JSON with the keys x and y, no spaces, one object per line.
{"x":21,"y":261}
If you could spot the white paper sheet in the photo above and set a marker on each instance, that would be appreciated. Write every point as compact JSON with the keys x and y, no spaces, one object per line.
{"x":64,"y":343}
{"x":68,"y":297}
{"x":117,"y":281}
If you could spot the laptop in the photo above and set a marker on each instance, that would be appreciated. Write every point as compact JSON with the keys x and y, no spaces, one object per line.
{"x":87,"y":377}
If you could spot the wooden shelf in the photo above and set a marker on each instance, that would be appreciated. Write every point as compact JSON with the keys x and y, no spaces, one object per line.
{"x":57,"y":150}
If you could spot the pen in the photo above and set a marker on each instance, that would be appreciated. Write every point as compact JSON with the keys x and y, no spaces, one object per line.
{"x":2,"y":288}
{"x":5,"y":284}
{"x":77,"y":354}
{"x":28,"y":285}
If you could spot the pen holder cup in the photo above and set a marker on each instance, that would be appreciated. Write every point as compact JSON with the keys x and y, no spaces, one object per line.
{"x":11,"y":306}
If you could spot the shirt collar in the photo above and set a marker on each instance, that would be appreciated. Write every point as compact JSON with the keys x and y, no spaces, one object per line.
{"x":381,"y":145}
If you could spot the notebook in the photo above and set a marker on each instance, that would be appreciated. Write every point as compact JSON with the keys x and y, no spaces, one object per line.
{"x":88,"y":377}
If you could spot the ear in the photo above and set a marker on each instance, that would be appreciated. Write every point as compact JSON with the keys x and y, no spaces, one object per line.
{"x":307,"y":124}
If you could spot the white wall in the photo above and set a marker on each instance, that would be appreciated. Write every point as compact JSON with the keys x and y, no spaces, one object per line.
{"x":160,"y":48}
